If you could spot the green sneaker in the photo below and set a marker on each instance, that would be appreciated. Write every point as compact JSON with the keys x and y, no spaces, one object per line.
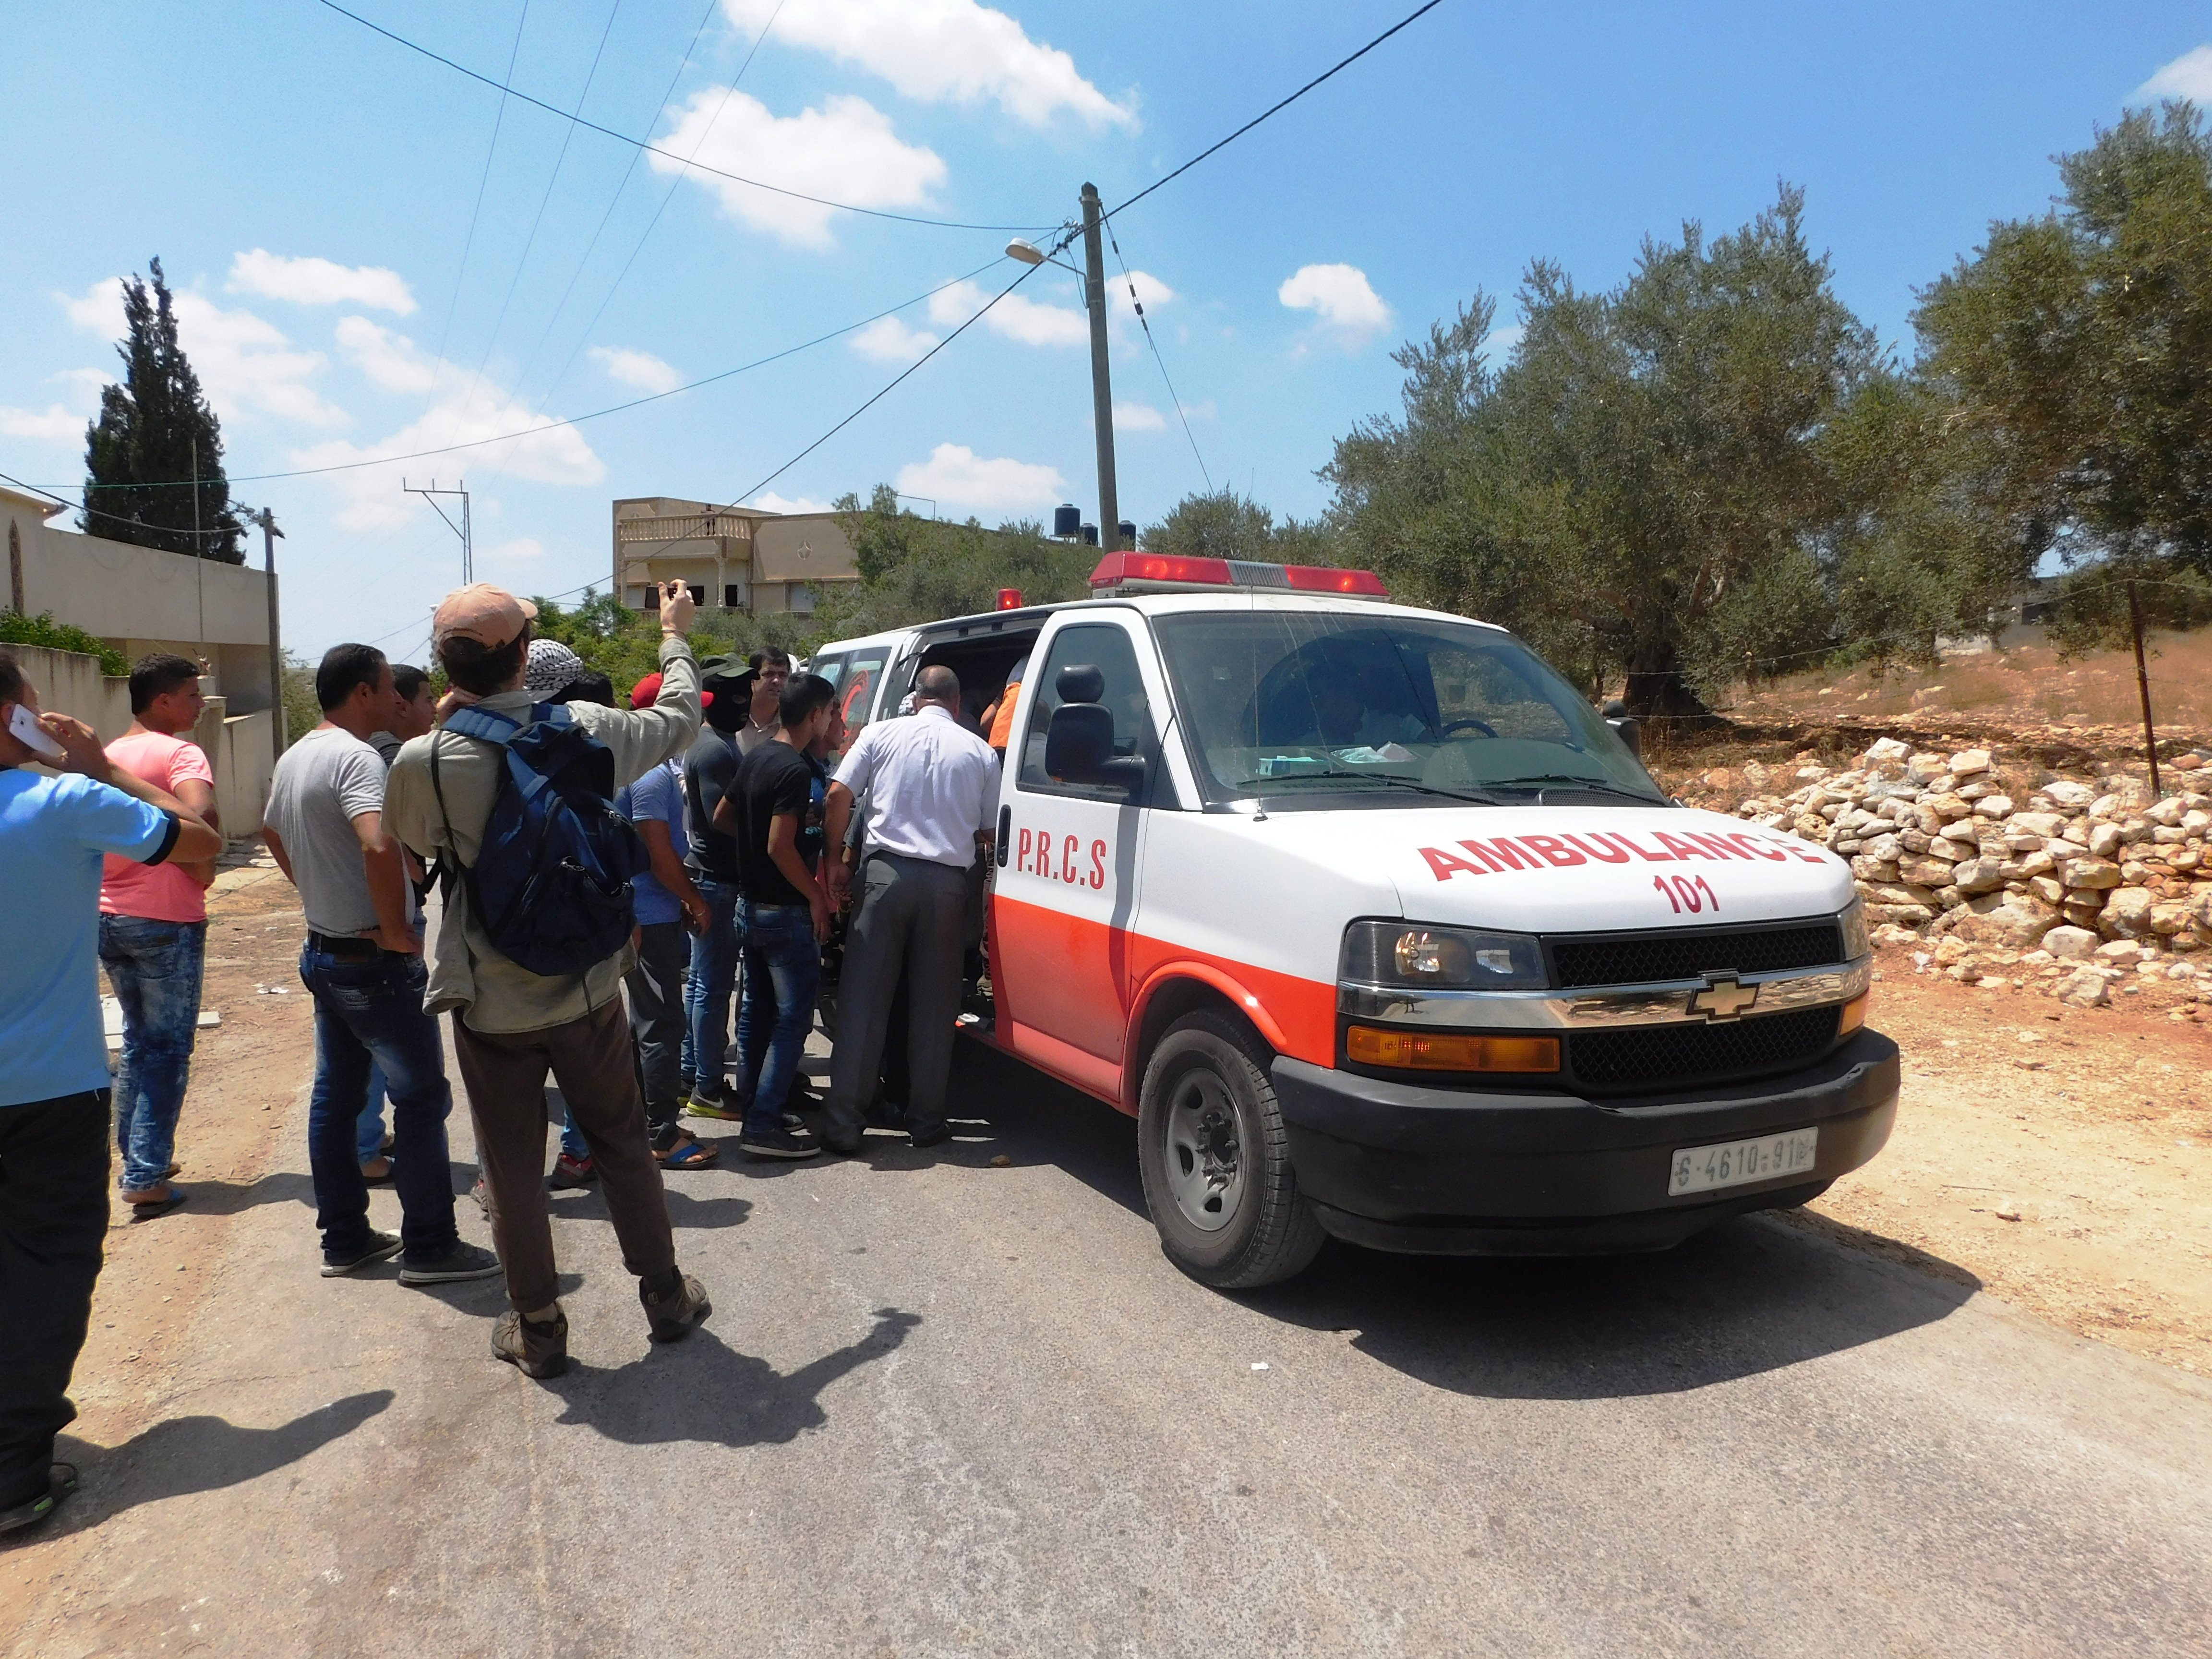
{"x":714,"y":1106}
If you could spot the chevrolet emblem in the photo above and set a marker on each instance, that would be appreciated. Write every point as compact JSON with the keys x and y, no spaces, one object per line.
{"x":1723,"y":999}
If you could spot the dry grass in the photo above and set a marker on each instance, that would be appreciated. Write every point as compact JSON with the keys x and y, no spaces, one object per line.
{"x":2026,"y":686}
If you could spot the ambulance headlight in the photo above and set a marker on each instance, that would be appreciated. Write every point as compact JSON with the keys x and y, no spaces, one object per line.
{"x":1417,"y":957}
{"x":1853,"y":923}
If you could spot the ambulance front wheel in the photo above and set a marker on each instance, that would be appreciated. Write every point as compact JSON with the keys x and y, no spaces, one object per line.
{"x":1215,"y":1159}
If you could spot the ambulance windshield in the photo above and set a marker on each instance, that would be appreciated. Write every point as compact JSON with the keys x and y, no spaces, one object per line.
{"x":1335,"y":704}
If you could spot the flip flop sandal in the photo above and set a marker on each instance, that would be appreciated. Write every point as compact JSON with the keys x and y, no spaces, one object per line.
{"x":156,"y":1206}
{"x":61,"y":1481}
{"x":687,"y":1155}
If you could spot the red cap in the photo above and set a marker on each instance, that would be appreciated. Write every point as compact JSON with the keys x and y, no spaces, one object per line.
{"x":647,"y":692}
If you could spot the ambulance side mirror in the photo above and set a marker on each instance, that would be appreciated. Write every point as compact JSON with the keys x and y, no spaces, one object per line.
{"x":1625,"y":727}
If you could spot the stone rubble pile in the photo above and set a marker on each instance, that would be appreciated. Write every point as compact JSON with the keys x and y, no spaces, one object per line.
{"x":2075,"y":888}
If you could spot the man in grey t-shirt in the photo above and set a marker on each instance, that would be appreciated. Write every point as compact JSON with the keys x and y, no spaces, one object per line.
{"x":362,"y":963}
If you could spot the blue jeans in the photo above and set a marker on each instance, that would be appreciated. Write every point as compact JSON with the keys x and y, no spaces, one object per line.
{"x":370,"y":1144}
{"x":368,"y":1009}
{"x":783,"y":965}
{"x":155,"y":967}
{"x":713,"y":976}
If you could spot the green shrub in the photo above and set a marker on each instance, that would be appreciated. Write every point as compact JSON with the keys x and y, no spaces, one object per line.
{"x":16,"y":628}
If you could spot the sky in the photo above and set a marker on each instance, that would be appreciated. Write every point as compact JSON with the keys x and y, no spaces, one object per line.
{"x":375,"y":255}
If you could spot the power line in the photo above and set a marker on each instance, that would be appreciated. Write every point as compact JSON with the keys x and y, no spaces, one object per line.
{"x":735,"y":178}
{"x":1161,"y":361}
{"x":553,"y":425}
{"x":668,"y":196}
{"x":1027,"y":272}
{"x":469,"y":240}
{"x":530,"y":241}
{"x":1263,"y":114}
{"x":613,"y":201}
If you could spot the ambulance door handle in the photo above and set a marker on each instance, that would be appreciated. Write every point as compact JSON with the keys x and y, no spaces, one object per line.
{"x":1006,"y":832}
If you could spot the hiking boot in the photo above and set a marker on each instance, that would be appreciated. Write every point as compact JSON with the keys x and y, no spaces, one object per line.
{"x":785,"y":1142}
{"x":534,"y":1348}
{"x":674,"y":1313}
{"x":458,"y":1260}
{"x":382,"y":1247}
{"x":572,"y":1172}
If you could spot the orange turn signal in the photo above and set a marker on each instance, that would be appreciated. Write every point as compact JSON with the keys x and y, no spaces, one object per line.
{"x":1423,"y":1051}
{"x":1855,"y":1013}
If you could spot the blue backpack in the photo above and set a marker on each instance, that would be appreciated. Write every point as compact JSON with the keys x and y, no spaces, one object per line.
{"x":551,"y":883}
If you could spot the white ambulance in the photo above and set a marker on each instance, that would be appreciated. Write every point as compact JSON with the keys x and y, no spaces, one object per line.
{"x":1380,"y":931}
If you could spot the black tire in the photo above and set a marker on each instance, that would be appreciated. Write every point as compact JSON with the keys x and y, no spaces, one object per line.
{"x":1216,"y":1161}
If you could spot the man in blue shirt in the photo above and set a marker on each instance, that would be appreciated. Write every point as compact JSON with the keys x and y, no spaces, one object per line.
{"x":54,"y":833}
{"x":668,"y":909}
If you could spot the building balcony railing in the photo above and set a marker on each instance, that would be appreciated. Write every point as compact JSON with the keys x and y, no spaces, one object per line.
{"x":695,"y":527}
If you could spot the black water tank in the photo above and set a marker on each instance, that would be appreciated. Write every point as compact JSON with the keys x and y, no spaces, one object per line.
{"x":1065,"y":520}
{"x":1128,"y":532}
{"x":1091,"y":535}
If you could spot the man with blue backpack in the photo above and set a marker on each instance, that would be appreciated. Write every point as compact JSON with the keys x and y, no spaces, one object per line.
{"x":514,"y":800}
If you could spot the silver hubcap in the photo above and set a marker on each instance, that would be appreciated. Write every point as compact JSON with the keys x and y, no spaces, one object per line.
{"x":1206,"y":1153}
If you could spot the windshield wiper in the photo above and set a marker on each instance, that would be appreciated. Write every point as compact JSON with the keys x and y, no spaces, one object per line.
{"x":1395,"y":782}
{"x":1562,"y":781}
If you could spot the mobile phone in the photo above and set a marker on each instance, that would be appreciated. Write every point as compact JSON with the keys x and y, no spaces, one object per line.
{"x":27,"y":731}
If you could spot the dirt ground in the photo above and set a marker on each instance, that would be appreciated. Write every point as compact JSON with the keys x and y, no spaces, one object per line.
{"x":2060,"y":1158}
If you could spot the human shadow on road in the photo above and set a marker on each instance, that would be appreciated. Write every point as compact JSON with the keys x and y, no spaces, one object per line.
{"x":1034,"y":1120}
{"x":686,"y":1210}
{"x":702,"y":1389}
{"x":184,"y":1454}
{"x":1753,"y":1295}
{"x":230,"y":1197}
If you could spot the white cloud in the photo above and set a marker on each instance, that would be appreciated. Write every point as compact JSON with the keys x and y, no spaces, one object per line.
{"x":770,"y":501}
{"x":955,"y":474}
{"x":845,"y":151}
{"x":522,"y":547}
{"x":56,"y":426}
{"x":638,"y":368}
{"x":1152,"y":293}
{"x":244,"y":362}
{"x":1137,"y":418}
{"x":1016,"y":317}
{"x":891,"y":341}
{"x":1500,"y":342}
{"x":939,"y":51}
{"x":1338,"y":295}
{"x":320,"y":282}
{"x":387,"y":357}
{"x":1204,"y":411}
{"x":2189,"y":75}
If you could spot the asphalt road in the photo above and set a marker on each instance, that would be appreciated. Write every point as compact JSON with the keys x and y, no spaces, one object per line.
{"x":947,"y":1408}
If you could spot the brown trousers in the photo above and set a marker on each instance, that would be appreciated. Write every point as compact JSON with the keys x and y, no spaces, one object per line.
{"x":590,"y":1059}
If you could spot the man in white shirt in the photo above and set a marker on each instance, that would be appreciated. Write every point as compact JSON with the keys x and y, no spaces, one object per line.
{"x":930,"y":785}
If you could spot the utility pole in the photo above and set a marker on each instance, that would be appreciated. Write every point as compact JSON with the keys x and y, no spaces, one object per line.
{"x":462,"y":529}
{"x":2142,"y":685}
{"x":1102,"y":390}
{"x":269,"y":532}
{"x":199,"y":551}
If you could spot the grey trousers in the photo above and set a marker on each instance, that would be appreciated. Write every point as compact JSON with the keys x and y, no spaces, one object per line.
{"x":912,"y":918}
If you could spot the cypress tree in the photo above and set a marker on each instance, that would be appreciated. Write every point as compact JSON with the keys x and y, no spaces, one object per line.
{"x":139,"y":454}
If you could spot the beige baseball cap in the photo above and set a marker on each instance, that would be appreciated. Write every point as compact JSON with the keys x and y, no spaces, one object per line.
{"x":491,"y":616}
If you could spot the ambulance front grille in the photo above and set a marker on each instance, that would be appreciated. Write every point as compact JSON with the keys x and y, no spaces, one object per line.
{"x":1646,"y":959}
{"x":1647,"y":1059}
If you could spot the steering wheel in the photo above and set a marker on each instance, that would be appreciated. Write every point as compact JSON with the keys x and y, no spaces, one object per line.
{"x":1482,"y":727}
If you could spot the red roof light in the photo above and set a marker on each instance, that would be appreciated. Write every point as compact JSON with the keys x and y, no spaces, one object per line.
{"x":1320,"y":578}
{"x":1116,"y":568}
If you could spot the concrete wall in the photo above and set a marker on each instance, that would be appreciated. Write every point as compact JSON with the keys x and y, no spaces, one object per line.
{"x":236,"y":746}
{"x":140,"y":599}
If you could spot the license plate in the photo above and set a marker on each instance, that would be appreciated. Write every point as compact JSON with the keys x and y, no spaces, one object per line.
{"x":1734,"y":1163}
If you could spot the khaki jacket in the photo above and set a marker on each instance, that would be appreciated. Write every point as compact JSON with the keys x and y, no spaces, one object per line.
{"x":468,"y":973}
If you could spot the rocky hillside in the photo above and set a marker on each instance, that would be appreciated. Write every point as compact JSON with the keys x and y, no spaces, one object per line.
{"x":2077,"y":886}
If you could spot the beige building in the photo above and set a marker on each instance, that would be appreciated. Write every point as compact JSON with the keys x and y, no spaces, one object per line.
{"x":142,"y":599}
{"x":739,"y":558}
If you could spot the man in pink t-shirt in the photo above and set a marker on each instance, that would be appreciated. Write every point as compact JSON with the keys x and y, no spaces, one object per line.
{"x":153,"y":934}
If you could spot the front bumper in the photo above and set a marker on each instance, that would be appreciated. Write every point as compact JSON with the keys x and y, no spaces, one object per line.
{"x":1406,"y":1166}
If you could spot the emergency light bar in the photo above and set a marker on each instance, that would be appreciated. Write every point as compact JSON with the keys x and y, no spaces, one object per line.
{"x":1167,"y":572}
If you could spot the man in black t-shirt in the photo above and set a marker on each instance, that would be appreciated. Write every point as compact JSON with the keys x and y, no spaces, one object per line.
{"x":709,"y":771}
{"x":785,"y":915}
